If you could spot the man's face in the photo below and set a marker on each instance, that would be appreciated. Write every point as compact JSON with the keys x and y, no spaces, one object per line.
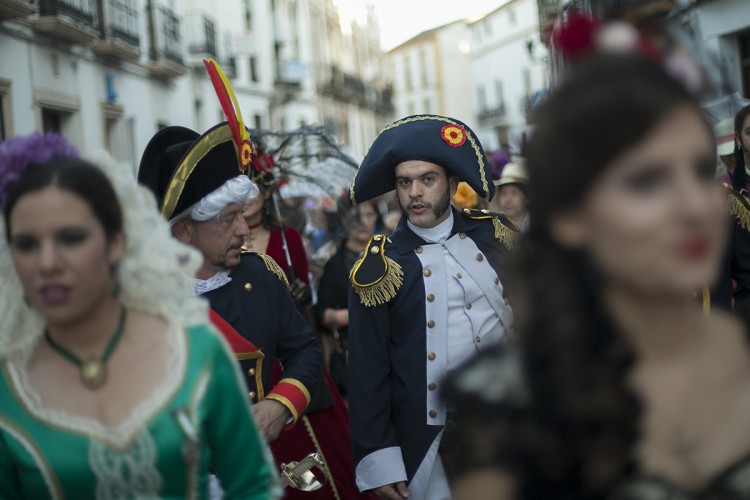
{"x":219,"y":239}
{"x":424,"y":192}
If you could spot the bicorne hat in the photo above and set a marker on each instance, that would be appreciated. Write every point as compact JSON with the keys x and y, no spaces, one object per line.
{"x":432,"y":138}
{"x":181,"y":166}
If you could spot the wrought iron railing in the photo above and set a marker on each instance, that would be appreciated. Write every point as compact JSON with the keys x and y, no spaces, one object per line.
{"x":121,"y":21}
{"x":82,"y":11}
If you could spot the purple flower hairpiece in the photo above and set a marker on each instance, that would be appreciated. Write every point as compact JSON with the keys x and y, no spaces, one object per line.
{"x":18,"y":153}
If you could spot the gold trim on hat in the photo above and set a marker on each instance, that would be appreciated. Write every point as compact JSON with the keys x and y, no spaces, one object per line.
{"x":470,"y":137}
{"x":202,"y":146}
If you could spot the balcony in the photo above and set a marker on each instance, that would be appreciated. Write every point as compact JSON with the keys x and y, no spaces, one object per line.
{"x":165,"y":52}
{"x":201,"y":38}
{"x":119,"y":34}
{"x":343,"y":86}
{"x":492,"y":117}
{"x":15,"y":9}
{"x":73,"y":21}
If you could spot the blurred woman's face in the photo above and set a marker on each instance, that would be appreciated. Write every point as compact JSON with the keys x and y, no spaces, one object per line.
{"x":361,"y":222}
{"x":655,"y":221}
{"x":61,"y":254}
{"x":254,"y":206}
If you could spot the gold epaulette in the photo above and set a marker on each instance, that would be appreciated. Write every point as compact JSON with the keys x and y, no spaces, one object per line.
{"x":375,"y":277}
{"x":506,"y":232}
{"x":271,"y":265}
{"x":739,"y":206}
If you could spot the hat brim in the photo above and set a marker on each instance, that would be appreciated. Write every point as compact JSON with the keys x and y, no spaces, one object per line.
{"x":725,"y":148}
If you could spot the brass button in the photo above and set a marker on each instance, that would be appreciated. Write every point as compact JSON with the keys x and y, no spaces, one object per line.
{"x":433,"y":413}
{"x":375,"y":250}
{"x":377,"y":237}
{"x":427,"y":272}
{"x":459,"y":276}
{"x":248,"y":287}
{"x":430,"y":324}
{"x":497,"y":280}
{"x":251,"y":372}
{"x":430,"y":297}
{"x":477,"y":339}
{"x":251,"y":394}
{"x":480,"y":257}
{"x":467,"y":211}
{"x":431,"y":356}
{"x":462,"y":235}
{"x":468,"y":306}
{"x":418,"y":249}
{"x":485,"y":211}
{"x":432,"y":386}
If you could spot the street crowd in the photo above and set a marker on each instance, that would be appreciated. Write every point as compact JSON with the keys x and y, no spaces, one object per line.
{"x":567,"y":322}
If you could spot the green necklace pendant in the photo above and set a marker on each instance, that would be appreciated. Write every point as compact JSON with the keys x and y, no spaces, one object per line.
{"x":93,"y":370}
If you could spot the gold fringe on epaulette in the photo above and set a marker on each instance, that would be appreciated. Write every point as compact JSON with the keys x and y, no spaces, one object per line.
{"x":505,"y":235}
{"x":739,"y":210}
{"x":272,"y":266}
{"x":383,"y":290}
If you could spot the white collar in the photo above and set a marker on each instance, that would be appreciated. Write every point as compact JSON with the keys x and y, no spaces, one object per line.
{"x":216,"y":281}
{"x":435,"y":234}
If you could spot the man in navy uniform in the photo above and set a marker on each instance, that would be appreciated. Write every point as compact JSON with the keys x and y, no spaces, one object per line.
{"x":201,"y":188}
{"x":423,"y":301}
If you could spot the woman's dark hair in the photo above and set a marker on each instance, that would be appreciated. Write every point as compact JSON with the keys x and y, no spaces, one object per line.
{"x":268,"y":216}
{"x":739,"y":178}
{"x":71,"y":174}
{"x":576,"y":361}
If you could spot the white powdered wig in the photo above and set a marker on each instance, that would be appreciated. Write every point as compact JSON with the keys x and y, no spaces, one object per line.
{"x":239,"y":189}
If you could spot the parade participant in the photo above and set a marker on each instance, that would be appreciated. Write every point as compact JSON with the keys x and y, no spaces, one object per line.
{"x":113,"y":384}
{"x":512,"y":194}
{"x":422,"y":301}
{"x":324,"y":428}
{"x":267,"y":234}
{"x":333,"y":290}
{"x":202,"y":187}
{"x":736,"y":182}
{"x":622,"y":388}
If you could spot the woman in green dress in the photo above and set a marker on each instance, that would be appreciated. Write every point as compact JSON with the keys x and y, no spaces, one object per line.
{"x":112,"y":382}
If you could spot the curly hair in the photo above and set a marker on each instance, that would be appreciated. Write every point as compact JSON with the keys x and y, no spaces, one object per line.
{"x":739,"y":177}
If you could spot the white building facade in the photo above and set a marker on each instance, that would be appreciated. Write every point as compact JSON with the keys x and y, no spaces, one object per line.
{"x":431,"y":74}
{"x":108,"y":74}
{"x":508,"y":67}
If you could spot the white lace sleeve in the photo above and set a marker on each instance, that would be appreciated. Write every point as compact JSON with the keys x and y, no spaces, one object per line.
{"x":155,"y":273}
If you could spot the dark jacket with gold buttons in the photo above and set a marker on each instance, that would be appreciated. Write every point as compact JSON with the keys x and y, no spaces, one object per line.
{"x":257,"y":304}
{"x":388,"y":400}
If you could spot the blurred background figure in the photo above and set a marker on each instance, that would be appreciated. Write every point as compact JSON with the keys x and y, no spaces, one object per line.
{"x":512,"y":195}
{"x":621,"y":388}
{"x":265,"y":236}
{"x":113,"y":383}
{"x":359,"y":223}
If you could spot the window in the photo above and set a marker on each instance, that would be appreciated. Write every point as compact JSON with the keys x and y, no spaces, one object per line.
{"x":527,"y":82}
{"x":257,"y":121}
{"x":488,"y":28}
{"x":499,"y":94}
{"x":248,"y":16}
{"x":423,"y":67}
{"x":512,"y":17}
{"x":407,"y":74}
{"x":253,"y":63}
{"x":481,"y":99}
{"x":52,"y":121}
{"x":426,"y":105}
{"x":115,"y":134}
{"x":6,"y":124}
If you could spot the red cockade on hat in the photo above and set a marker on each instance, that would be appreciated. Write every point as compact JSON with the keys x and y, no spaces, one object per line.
{"x":454,"y":135}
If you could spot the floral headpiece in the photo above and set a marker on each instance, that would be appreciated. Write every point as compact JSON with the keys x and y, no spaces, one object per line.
{"x":18,"y":153}
{"x":632,"y":30}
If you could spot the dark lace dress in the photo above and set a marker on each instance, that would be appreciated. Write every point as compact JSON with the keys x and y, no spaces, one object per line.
{"x":490,"y":408}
